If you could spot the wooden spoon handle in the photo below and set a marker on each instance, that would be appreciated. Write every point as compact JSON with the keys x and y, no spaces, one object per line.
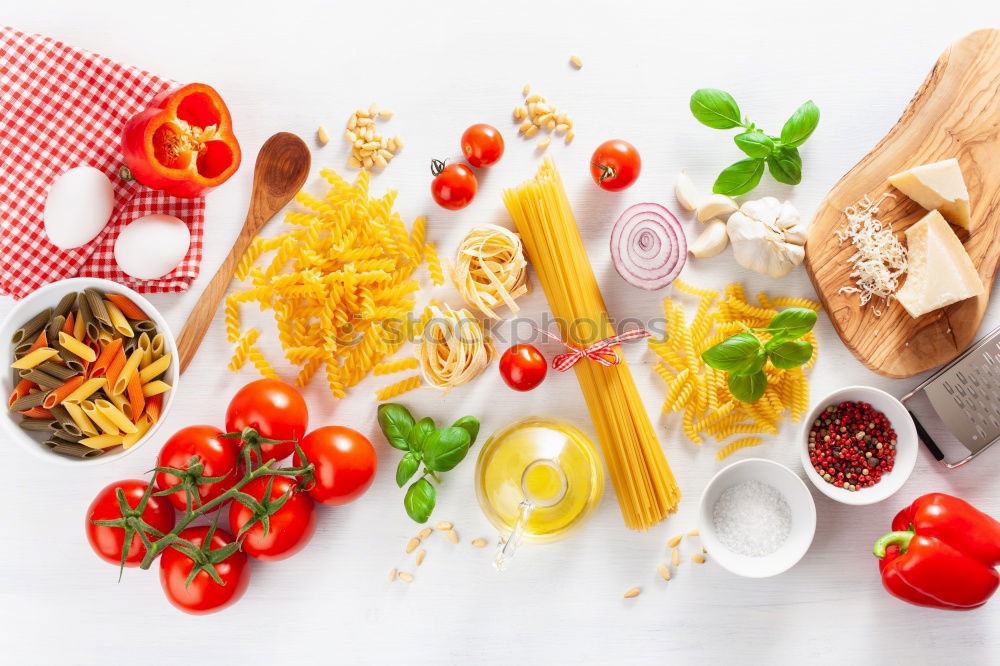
{"x":204,"y":310}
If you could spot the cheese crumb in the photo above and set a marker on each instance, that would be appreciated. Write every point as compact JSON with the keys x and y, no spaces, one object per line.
{"x":880,"y":259}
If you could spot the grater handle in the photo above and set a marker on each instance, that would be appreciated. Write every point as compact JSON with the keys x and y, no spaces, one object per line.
{"x":927,"y":439}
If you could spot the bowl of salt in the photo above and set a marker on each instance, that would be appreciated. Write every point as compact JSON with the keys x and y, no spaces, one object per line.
{"x":756,"y":518}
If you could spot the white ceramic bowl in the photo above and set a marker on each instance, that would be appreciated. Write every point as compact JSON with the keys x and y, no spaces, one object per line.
{"x":906,"y":445}
{"x":48,"y":296}
{"x":799,"y":499}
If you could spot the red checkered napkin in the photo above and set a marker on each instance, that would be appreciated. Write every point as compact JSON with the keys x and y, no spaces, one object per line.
{"x":60,"y":108}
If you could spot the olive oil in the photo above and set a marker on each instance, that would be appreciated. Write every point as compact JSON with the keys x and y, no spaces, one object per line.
{"x":544,"y":471}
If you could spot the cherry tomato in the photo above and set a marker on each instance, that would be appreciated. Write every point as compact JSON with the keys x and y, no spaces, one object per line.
{"x":107,"y":542}
{"x":289,"y":528}
{"x":275,"y":410}
{"x":482,"y":145}
{"x":219,"y":455}
{"x":345,"y":464}
{"x":523,"y":367}
{"x":615,"y":165}
{"x":453,"y":186}
{"x":203,"y":595}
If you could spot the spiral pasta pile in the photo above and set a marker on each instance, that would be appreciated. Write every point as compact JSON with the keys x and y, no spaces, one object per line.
{"x":700,"y":392}
{"x":490,"y":269}
{"x":339,"y":283}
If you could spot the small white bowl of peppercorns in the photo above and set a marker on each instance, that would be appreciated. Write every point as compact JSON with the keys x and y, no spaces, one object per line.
{"x":859,"y":445}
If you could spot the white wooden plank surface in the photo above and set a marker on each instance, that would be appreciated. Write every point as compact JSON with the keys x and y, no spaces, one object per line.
{"x":442,"y":66}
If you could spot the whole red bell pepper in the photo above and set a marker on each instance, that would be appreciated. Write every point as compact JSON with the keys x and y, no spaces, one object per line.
{"x":183,"y":143}
{"x":942,"y":553}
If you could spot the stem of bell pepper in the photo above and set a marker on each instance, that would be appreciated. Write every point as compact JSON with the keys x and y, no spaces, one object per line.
{"x":901,"y":539}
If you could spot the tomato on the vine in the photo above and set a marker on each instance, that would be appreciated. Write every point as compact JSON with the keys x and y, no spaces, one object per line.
{"x":108,"y":541}
{"x":219,"y":457}
{"x":344,"y":461}
{"x":482,"y":145}
{"x":275,"y":410}
{"x":288,"y":529}
{"x":202,"y":594}
{"x":615,"y":165}
{"x":454,"y":185}
{"x":523,"y":367}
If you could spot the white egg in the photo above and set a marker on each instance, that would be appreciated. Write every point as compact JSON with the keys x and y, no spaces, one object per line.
{"x":77,"y":207}
{"x":152,"y":246}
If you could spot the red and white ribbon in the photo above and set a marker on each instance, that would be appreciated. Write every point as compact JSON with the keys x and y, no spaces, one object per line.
{"x":601,"y":351}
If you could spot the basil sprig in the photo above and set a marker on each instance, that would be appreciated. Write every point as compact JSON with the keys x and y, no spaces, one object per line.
{"x":437,"y":449}
{"x":744,"y":356}
{"x":779,"y":154}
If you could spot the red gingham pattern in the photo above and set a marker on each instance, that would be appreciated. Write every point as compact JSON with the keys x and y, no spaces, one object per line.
{"x":60,"y":108}
{"x":601,"y":351}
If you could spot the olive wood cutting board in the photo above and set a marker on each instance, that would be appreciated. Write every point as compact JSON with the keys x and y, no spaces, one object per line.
{"x":955,"y":113}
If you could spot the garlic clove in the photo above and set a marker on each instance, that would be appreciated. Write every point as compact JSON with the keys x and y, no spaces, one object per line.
{"x":711,"y":241}
{"x":797,"y":234}
{"x":716,"y":205}
{"x":686,"y":192}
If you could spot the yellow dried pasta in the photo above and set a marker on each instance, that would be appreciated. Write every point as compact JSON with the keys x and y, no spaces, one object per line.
{"x":398,"y":365}
{"x":736,"y":445}
{"x":242,"y":349}
{"x":338,"y":282}
{"x":701,"y":392}
{"x":433,"y":264}
{"x":399,"y":388}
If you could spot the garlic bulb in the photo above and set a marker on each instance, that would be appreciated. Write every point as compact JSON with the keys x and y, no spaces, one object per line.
{"x":768,"y":236}
{"x":711,"y":241}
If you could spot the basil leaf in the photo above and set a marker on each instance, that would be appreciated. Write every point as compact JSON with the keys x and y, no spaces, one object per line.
{"x":419,"y":500}
{"x":792,"y":323}
{"x":755,"y":143}
{"x":791,"y":354}
{"x":786,"y":165}
{"x":754,"y":365}
{"x":748,"y":388}
{"x":445,"y":448}
{"x":471,"y":425}
{"x":715,"y":108}
{"x":734,"y":353}
{"x":800,"y":126}
{"x":739,"y":178}
{"x":419,"y":433}
{"x":407,"y":468}
{"x":395,"y":421}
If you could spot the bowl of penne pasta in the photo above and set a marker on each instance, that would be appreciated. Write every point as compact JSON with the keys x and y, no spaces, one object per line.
{"x":92,"y":370}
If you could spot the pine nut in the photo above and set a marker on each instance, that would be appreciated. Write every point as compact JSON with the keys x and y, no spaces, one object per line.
{"x":322,"y":136}
{"x":531,"y":131}
{"x":569,"y":136}
{"x":544,"y":143}
{"x":674,"y":541}
{"x":392,"y":575}
{"x":443,"y":525}
{"x":576,"y":62}
{"x":561,"y":128}
{"x":550,"y":124}
{"x":542,"y":107}
{"x":386,"y":155}
{"x":631,"y":593}
{"x":392,"y":144}
{"x":353,"y":161}
{"x":359,"y":142}
{"x":421,"y":554}
{"x":527,"y":89}
{"x":479,"y":543}
{"x":361,"y":113}
{"x":524,"y":127}
{"x":380,"y":162}
{"x":544,"y":118}
{"x":675,"y":557}
{"x":385,"y":114}
{"x":700,"y":559}
{"x":373,"y":110}
{"x":664,"y":571}
{"x":399,"y":143}
{"x":424,"y":533}
{"x":531,"y":108}
{"x":352,"y":122}
{"x":452,"y":535}
{"x":350,"y":136}
{"x":412,"y":544}
{"x":693,"y":533}
{"x":529,"y":99}
{"x":368,"y":162}
{"x":405,"y":577}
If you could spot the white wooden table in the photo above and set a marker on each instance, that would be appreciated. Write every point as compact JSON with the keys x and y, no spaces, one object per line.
{"x":442,"y":66}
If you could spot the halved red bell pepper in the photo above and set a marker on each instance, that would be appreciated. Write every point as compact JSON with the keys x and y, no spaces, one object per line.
{"x":183,"y":143}
{"x":942,"y":553}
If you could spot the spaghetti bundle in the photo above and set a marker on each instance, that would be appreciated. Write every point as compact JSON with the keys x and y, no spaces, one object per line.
{"x":643,"y":482}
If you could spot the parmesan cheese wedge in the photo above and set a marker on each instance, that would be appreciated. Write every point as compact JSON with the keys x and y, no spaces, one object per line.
{"x":940,"y":272}
{"x":937,"y":186}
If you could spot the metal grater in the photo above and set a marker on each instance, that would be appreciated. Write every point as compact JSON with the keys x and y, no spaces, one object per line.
{"x":964,"y":397}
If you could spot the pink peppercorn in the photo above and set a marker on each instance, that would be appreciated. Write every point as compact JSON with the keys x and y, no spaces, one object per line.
{"x":851,"y":445}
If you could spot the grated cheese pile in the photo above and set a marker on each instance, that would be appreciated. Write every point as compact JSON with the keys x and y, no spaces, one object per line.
{"x":880,"y":259}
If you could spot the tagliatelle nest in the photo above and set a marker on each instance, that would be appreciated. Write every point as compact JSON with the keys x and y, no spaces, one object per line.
{"x":454,"y":348}
{"x":490,"y":269}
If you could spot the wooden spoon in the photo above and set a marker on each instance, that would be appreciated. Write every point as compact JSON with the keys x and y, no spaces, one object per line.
{"x":281,"y":169}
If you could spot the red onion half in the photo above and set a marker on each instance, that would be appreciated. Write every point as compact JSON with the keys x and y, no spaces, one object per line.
{"x":648,"y":247}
